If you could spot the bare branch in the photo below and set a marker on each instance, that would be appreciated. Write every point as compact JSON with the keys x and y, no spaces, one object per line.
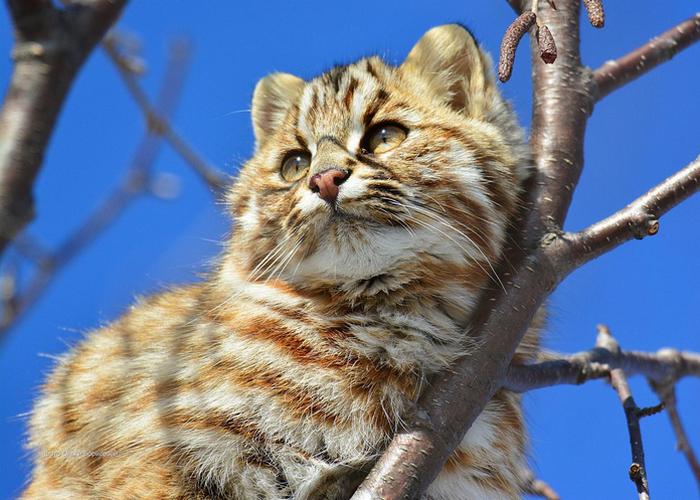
{"x":137,"y":182}
{"x":667,"y":393}
{"x":637,"y":220}
{"x":618,"y":380}
{"x":216,"y":180}
{"x":51,"y":45}
{"x":637,"y":470}
{"x":614,"y":74}
{"x":664,"y":367}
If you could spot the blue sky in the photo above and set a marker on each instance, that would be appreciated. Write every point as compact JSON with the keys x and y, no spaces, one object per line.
{"x":646,"y":291}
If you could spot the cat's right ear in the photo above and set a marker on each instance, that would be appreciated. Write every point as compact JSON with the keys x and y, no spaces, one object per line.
{"x":449,"y":61}
{"x":273,"y":97}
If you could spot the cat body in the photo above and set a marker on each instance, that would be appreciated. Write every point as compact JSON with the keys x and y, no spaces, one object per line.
{"x":367,"y":225}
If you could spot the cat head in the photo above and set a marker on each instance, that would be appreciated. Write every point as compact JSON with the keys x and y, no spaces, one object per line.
{"x":369,"y":169}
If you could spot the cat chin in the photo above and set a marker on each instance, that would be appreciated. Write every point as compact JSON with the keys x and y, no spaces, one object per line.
{"x":357,"y":249}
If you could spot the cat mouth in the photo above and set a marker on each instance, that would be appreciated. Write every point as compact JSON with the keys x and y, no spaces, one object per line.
{"x":359,"y":217}
{"x":341,"y":216}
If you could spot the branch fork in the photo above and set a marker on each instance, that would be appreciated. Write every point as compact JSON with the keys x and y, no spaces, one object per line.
{"x":534,"y":270}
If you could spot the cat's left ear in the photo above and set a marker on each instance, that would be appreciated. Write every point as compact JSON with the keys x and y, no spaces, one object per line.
{"x":449,"y":61}
{"x":273,"y":97}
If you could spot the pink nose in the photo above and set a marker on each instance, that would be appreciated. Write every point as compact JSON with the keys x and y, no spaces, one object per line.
{"x":327,"y":183}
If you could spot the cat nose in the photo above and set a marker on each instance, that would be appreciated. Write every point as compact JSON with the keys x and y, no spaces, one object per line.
{"x":327,"y":183}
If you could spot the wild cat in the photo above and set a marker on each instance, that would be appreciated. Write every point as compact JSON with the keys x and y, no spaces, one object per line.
{"x":366,"y":227}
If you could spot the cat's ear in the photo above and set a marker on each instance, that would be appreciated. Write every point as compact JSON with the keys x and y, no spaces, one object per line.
{"x":449,"y":61}
{"x":274,"y":95}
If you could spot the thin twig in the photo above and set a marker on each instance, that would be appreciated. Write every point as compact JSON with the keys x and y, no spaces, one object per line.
{"x":51,"y":45}
{"x":637,"y":470}
{"x":667,"y":393}
{"x":216,"y":180}
{"x":618,"y":380}
{"x":137,"y":182}
{"x":614,"y":74}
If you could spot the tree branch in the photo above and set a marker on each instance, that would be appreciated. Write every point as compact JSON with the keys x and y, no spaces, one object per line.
{"x":216,"y":180}
{"x":618,"y":380}
{"x":667,"y":394}
{"x":663,"y":370}
{"x":51,"y":45}
{"x":663,"y":367}
{"x":637,"y":220}
{"x":139,"y":180}
{"x":614,"y":74}
{"x":637,"y":470}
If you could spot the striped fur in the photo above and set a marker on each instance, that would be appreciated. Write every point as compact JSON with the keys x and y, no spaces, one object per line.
{"x":289,"y":368}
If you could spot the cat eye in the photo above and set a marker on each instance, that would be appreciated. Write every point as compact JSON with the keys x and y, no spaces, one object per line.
{"x":295,"y":165}
{"x":383,"y":137}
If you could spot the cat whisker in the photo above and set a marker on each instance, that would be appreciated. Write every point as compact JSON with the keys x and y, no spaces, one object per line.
{"x":485,"y":240}
{"x":437,"y":218}
{"x":273,"y":254}
{"x":277,"y":272}
{"x":492,"y":269}
{"x":260,"y":269}
{"x":399,"y":221}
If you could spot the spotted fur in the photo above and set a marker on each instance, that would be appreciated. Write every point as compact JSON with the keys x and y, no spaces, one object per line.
{"x":286,"y":371}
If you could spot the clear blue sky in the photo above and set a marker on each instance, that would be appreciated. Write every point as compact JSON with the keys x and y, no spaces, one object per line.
{"x":646,"y":291}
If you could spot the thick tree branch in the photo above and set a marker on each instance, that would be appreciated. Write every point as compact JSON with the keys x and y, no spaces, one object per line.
{"x":138,"y":181}
{"x":614,"y":74}
{"x":51,"y":45}
{"x":557,"y":130}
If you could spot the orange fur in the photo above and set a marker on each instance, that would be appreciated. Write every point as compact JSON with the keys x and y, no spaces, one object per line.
{"x":293,"y":363}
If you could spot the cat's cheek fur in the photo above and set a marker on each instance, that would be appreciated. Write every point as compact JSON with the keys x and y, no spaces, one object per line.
{"x":249,"y":221}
